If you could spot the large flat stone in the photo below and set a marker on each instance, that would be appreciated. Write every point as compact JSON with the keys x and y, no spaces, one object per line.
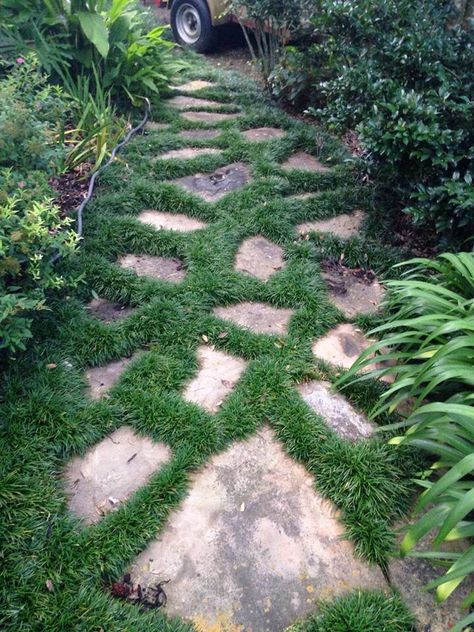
{"x":194,"y":85}
{"x":156,"y":127}
{"x":111,"y":471}
{"x":170,"y":221}
{"x":184,"y":102}
{"x":258,"y":317}
{"x":351,"y":294}
{"x":209,"y":117}
{"x":253,"y":545}
{"x":214,"y":186}
{"x":107,"y":311}
{"x":336,"y":411}
{"x":216,"y":378}
{"x":342,"y":346}
{"x":303,"y":161}
{"x":188,"y":153}
{"x":199,"y":134}
{"x":102,"y":378}
{"x":259,"y":257}
{"x":262,"y":134}
{"x":344,"y":226}
{"x":155,"y":267}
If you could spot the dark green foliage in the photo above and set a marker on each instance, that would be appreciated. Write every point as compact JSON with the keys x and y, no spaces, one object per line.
{"x":401,"y":73}
{"x":362,"y":611}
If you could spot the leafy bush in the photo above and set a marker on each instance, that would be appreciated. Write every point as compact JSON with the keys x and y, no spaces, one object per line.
{"x":400,"y":73}
{"x":31,"y":118}
{"x":429,"y":343}
{"x":70,"y":37}
{"x":31,"y":232}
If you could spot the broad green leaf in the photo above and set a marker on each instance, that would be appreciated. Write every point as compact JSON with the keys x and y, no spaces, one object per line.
{"x":94,"y":28}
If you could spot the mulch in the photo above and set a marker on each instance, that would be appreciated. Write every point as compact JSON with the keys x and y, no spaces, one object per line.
{"x":71,"y":188}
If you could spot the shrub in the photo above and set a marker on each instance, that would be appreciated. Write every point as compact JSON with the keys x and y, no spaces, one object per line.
{"x":402,"y":74}
{"x":429,"y":341}
{"x":31,"y":232}
{"x":31,"y":118}
{"x":70,"y":37}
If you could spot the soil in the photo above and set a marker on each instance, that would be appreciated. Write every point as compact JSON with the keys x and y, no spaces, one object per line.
{"x":71,"y":188}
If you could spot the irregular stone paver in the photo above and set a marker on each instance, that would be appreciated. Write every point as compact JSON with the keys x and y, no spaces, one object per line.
{"x":156,"y":267}
{"x":111,"y":471}
{"x":301,"y":196}
{"x":336,"y":411}
{"x":156,"y":127}
{"x":193,"y":86}
{"x":218,"y":373}
{"x":353,"y":295}
{"x":102,"y":378}
{"x":213,"y":186}
{"x":188,"y":153}
{"x":342,"y":346}
{"x":260,"y":134}
{"x":259,"y":257}
{"x":303,"y":161}
{"x":343,"y":226}
{"x":209,"y":117}
{"x":107,"y":311}
{"x":258,"y":317}
{"x":253,"y":545}
{"x":170,"y":221}
{"x":183,"y":103}
{"x":199,"y":134}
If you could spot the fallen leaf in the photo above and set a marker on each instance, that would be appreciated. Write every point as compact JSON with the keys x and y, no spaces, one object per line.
{"x":223,"y":334}
{"x":242,"y":507}
{"x":49,"y":585}
{"x":51,"y":365}
{"x":205,"y":338}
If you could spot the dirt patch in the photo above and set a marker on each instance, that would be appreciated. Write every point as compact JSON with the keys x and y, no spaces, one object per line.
{"x":71,"y":188}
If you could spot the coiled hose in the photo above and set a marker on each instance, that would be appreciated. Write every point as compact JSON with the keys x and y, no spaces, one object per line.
{"x":94,"y":176}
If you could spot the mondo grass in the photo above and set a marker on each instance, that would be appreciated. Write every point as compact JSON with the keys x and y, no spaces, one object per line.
{"x":55,"y":573}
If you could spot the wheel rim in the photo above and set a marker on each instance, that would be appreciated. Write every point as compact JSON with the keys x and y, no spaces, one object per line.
{"x":188,"y":23}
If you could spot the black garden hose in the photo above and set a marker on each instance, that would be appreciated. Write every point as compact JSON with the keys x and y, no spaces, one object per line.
{"x":116,"y":149}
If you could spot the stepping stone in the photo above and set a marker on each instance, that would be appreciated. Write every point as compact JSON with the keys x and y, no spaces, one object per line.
{"x":213,"y":186}
{"x":183,"y":103}
{"x":156,"y":127}
{"x":259,"y":257}
{"x":336,"y":411}
{"x":261,"y":134}
{"x":107,"y":311}
{"x":351,"y":294}
{"x":342,"y":346}
{"x":303,"y":161}
{"x":253,"y":545}
{"x":302,"y":196}
{"x":258,"y":317}
{"x":156,"y":267}
{"x":218,"y":373}
{"x":193,"y":86}
{"x":188,"y":153}
{"x":170,"y":221}
{"x":199,"y":134}
{"x":343,"y":226}
{"x":101,"y":480}
{"x":102,"y":378}
{"x":209,"y":117}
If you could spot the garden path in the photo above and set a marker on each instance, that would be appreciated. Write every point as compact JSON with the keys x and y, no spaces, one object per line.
{"x":232,"y":239}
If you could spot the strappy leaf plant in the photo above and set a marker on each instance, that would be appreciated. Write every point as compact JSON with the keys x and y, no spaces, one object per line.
{"x":427,"y":345}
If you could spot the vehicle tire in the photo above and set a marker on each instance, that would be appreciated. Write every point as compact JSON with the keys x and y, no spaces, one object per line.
{"x":192,"y":26}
